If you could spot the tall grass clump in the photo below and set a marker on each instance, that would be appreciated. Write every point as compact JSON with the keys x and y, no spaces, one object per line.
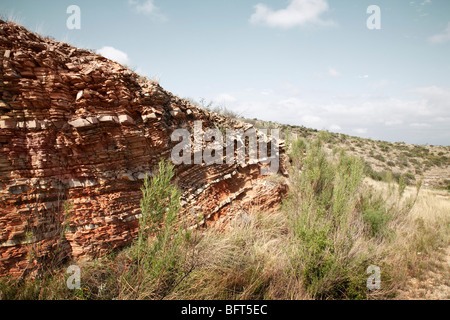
{"x":159,"y":259}
{"x":338,"y":224}
{"x":248,"y":262}
{"x":320,"y":207}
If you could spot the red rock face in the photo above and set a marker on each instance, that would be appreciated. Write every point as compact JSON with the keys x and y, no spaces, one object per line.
{"x":78,"y":128}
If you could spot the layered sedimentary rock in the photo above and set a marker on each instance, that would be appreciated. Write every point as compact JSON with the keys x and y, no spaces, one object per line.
{"x":78,"y":134}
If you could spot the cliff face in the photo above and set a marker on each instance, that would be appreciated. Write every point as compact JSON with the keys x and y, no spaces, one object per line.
{"x":78,"y":133}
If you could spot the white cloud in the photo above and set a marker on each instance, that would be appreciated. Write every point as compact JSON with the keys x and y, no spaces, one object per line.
{"x":442,"y":119}
{"x":335,"y":127}
{"x":224,"y":98}
{"x":420,"y":7}
{"x":420,"y":124}
{"x":333,"y":73}
{"x":380,"y":84}
{"x":297,"y":13}
{"x":389,"y":123}
{"x":441,"y":37}
{"x":360,"y":130}
{"x":148,"y":8}
{"x":436,"y":99}
{"x":114,"y":54}
{"x":347,"y":96}
{"x":312,"y":120}
{"x":290,"y":89}
{"x":267,"y":92}
{"x":434,"y":93}
{"x":421,"y":118}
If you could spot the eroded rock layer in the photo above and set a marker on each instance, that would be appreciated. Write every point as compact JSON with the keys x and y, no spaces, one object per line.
{"x":78,"y":133}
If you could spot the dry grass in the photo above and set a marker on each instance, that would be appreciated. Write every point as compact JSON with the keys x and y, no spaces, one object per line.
{"x":247,"y":261}
{"x":419,"y":254}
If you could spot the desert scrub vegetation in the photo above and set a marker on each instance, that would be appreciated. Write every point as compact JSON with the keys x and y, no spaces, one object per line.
{"x":340,"y":225}
{"x":333,"y":224}
{"x":158,"y":262}
{"x":320,"y":218}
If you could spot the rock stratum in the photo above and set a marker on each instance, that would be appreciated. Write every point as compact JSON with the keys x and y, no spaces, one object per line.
{"x":78,"y":134}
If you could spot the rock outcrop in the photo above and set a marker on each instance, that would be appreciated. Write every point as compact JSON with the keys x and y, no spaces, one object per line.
{"x":78,"y":134}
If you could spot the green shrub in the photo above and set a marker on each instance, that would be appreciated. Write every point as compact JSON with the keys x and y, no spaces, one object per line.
{"x":377,"y":219}
{"x":379,"y":157}
{"x":159,"y":204}
{"x":409,"y":177}
{"x":368,"y":171}
{"x":375,"y":213}
{"x":319,"y":206}
{"x":333,"y":215}
{"x":157,"y":257}
{"x":407,"y":154}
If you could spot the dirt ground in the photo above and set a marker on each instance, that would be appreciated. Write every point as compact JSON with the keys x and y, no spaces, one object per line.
{"x":433,"y":284}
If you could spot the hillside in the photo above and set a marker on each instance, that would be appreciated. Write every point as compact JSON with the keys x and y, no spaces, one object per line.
{"x":428,"y":163}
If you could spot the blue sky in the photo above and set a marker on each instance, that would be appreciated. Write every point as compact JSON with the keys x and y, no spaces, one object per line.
{"x":302,"y":62}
